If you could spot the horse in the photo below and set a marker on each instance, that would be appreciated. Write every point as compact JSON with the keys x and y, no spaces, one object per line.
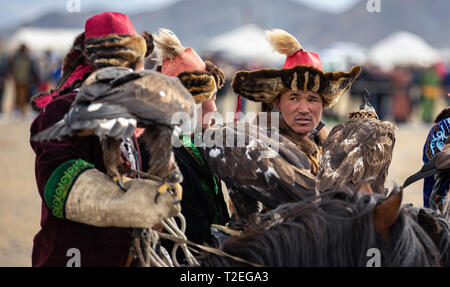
{"x":437,"y":226}
{"x":338,"y":228}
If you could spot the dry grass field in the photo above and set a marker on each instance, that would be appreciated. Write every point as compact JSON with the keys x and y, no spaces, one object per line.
{"x":20,"y":203}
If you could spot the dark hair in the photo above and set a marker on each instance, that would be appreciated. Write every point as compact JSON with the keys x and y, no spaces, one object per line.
{"x":337,"y":231}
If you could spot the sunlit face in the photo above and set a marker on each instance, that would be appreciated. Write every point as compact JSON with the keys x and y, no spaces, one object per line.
{"x":301,"y":110}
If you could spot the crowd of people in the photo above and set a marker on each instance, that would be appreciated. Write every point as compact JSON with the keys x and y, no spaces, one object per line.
{"x":398,"y":93}
{"x":30,"y":73}
{"x":84,"y":207}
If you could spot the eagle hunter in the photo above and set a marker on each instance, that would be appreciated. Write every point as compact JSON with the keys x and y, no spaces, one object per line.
{"x":357,"y":150}
{"x":112,"y":103}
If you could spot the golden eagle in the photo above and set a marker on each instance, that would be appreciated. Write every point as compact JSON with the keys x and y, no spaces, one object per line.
{"x":357,"y":150}
{"x":260,"y":171}
{"x":112,"y":103}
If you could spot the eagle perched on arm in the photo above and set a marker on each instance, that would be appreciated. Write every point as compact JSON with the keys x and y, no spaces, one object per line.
{"x":261,"y":172}
{"x":356,"y":150}
{"x":112,"y":103}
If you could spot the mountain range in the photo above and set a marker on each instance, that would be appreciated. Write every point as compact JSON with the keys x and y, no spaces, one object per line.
{"x":197,"y":21}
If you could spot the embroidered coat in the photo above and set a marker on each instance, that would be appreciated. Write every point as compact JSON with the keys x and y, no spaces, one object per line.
{"x":57,"y":166}
{"x":203,"y":203}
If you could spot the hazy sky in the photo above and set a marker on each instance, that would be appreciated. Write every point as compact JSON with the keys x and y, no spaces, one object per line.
{"x":13,"y":12}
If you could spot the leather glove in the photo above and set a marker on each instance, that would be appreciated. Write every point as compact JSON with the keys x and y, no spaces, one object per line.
{"x":96,"y":200}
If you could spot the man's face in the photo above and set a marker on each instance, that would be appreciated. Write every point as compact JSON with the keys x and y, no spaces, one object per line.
{"x":301,"y":110}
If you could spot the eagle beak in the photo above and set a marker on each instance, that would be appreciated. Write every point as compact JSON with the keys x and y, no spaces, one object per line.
{"x":174,"y":188}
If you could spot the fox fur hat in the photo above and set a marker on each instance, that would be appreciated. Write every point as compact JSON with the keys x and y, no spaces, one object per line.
{"x":302,"y":70}
{"x":201,"y":78}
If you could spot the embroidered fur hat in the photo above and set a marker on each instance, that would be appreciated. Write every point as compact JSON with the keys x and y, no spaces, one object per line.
{"x":109,"y":39}
{"x":201,"y":78}
{"x":302,"y":70}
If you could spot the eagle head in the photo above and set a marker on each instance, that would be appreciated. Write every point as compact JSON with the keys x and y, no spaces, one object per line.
{"x":366,"y":111}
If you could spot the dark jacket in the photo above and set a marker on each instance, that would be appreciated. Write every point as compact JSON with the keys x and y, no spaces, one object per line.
{"x":202,"y":205}
{"x":97,"y":246}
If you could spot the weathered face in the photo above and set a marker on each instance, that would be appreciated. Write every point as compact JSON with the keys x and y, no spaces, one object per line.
{"x":301,"y":110}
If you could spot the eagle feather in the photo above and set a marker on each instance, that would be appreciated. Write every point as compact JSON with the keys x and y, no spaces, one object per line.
{"x":283,"y":42}
{"x":168,"y":44}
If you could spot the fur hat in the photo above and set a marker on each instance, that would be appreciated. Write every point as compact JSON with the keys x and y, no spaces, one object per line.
{"x":109,"y":39}
{"x":201,"y":78}
{"x":302,"y":70}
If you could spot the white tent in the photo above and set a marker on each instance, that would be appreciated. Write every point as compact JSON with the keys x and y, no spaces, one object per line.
{"x":41,"y":39}
{"x":246,"y":43}
{"x":339,"y":55}
{"x":402,"y":48}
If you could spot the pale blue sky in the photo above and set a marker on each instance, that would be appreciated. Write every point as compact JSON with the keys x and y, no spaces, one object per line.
{"x":16,"y":11}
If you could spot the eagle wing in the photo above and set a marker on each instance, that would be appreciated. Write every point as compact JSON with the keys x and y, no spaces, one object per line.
{"x":356,"y":150}
{"x":259,"y":167}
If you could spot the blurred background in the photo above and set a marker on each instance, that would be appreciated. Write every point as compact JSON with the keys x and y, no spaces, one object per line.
{"x":403,"y":47}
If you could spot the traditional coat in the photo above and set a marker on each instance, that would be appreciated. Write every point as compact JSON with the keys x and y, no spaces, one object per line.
{"x":203,"y":203}
{"x":109,"y":40}
{"x":57,"y":166}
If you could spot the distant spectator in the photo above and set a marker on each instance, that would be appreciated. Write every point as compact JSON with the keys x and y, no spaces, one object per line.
{"x":431,"y":90}
{"x":48,"y":64}
{"x":23,"y":71}
{"x":3,"y":75}
{"x":401,"y":102}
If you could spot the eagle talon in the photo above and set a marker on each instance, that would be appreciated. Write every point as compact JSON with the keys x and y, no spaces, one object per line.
{"x":174,"y":188}
{"x":120,"y":180}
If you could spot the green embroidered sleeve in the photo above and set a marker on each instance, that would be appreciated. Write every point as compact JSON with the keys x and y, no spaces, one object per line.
{"x":212,"y":192}
{"x":60,"y":182}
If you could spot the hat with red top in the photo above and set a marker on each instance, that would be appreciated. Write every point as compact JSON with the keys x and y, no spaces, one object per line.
{"x":109,"y":39}
{"x":201,"y":78}
{"x":302,"y":70}
{"x":108,"y":23}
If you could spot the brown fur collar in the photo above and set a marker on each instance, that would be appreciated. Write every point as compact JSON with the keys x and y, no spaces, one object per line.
{"x":304,"y":144}
{"x":267,"y":84}
{"x":203,"y":85}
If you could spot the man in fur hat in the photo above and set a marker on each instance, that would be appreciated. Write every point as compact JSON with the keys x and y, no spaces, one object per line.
{"x":299,"y":91}
{"x":203,"y":203}
{"x":70,"y":174}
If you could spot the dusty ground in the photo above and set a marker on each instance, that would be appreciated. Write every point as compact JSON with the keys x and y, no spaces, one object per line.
{"x":20,"y":203}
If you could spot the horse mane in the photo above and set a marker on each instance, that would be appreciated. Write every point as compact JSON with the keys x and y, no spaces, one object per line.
{"x":335,"y":228}
{"x":442,"y":240}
